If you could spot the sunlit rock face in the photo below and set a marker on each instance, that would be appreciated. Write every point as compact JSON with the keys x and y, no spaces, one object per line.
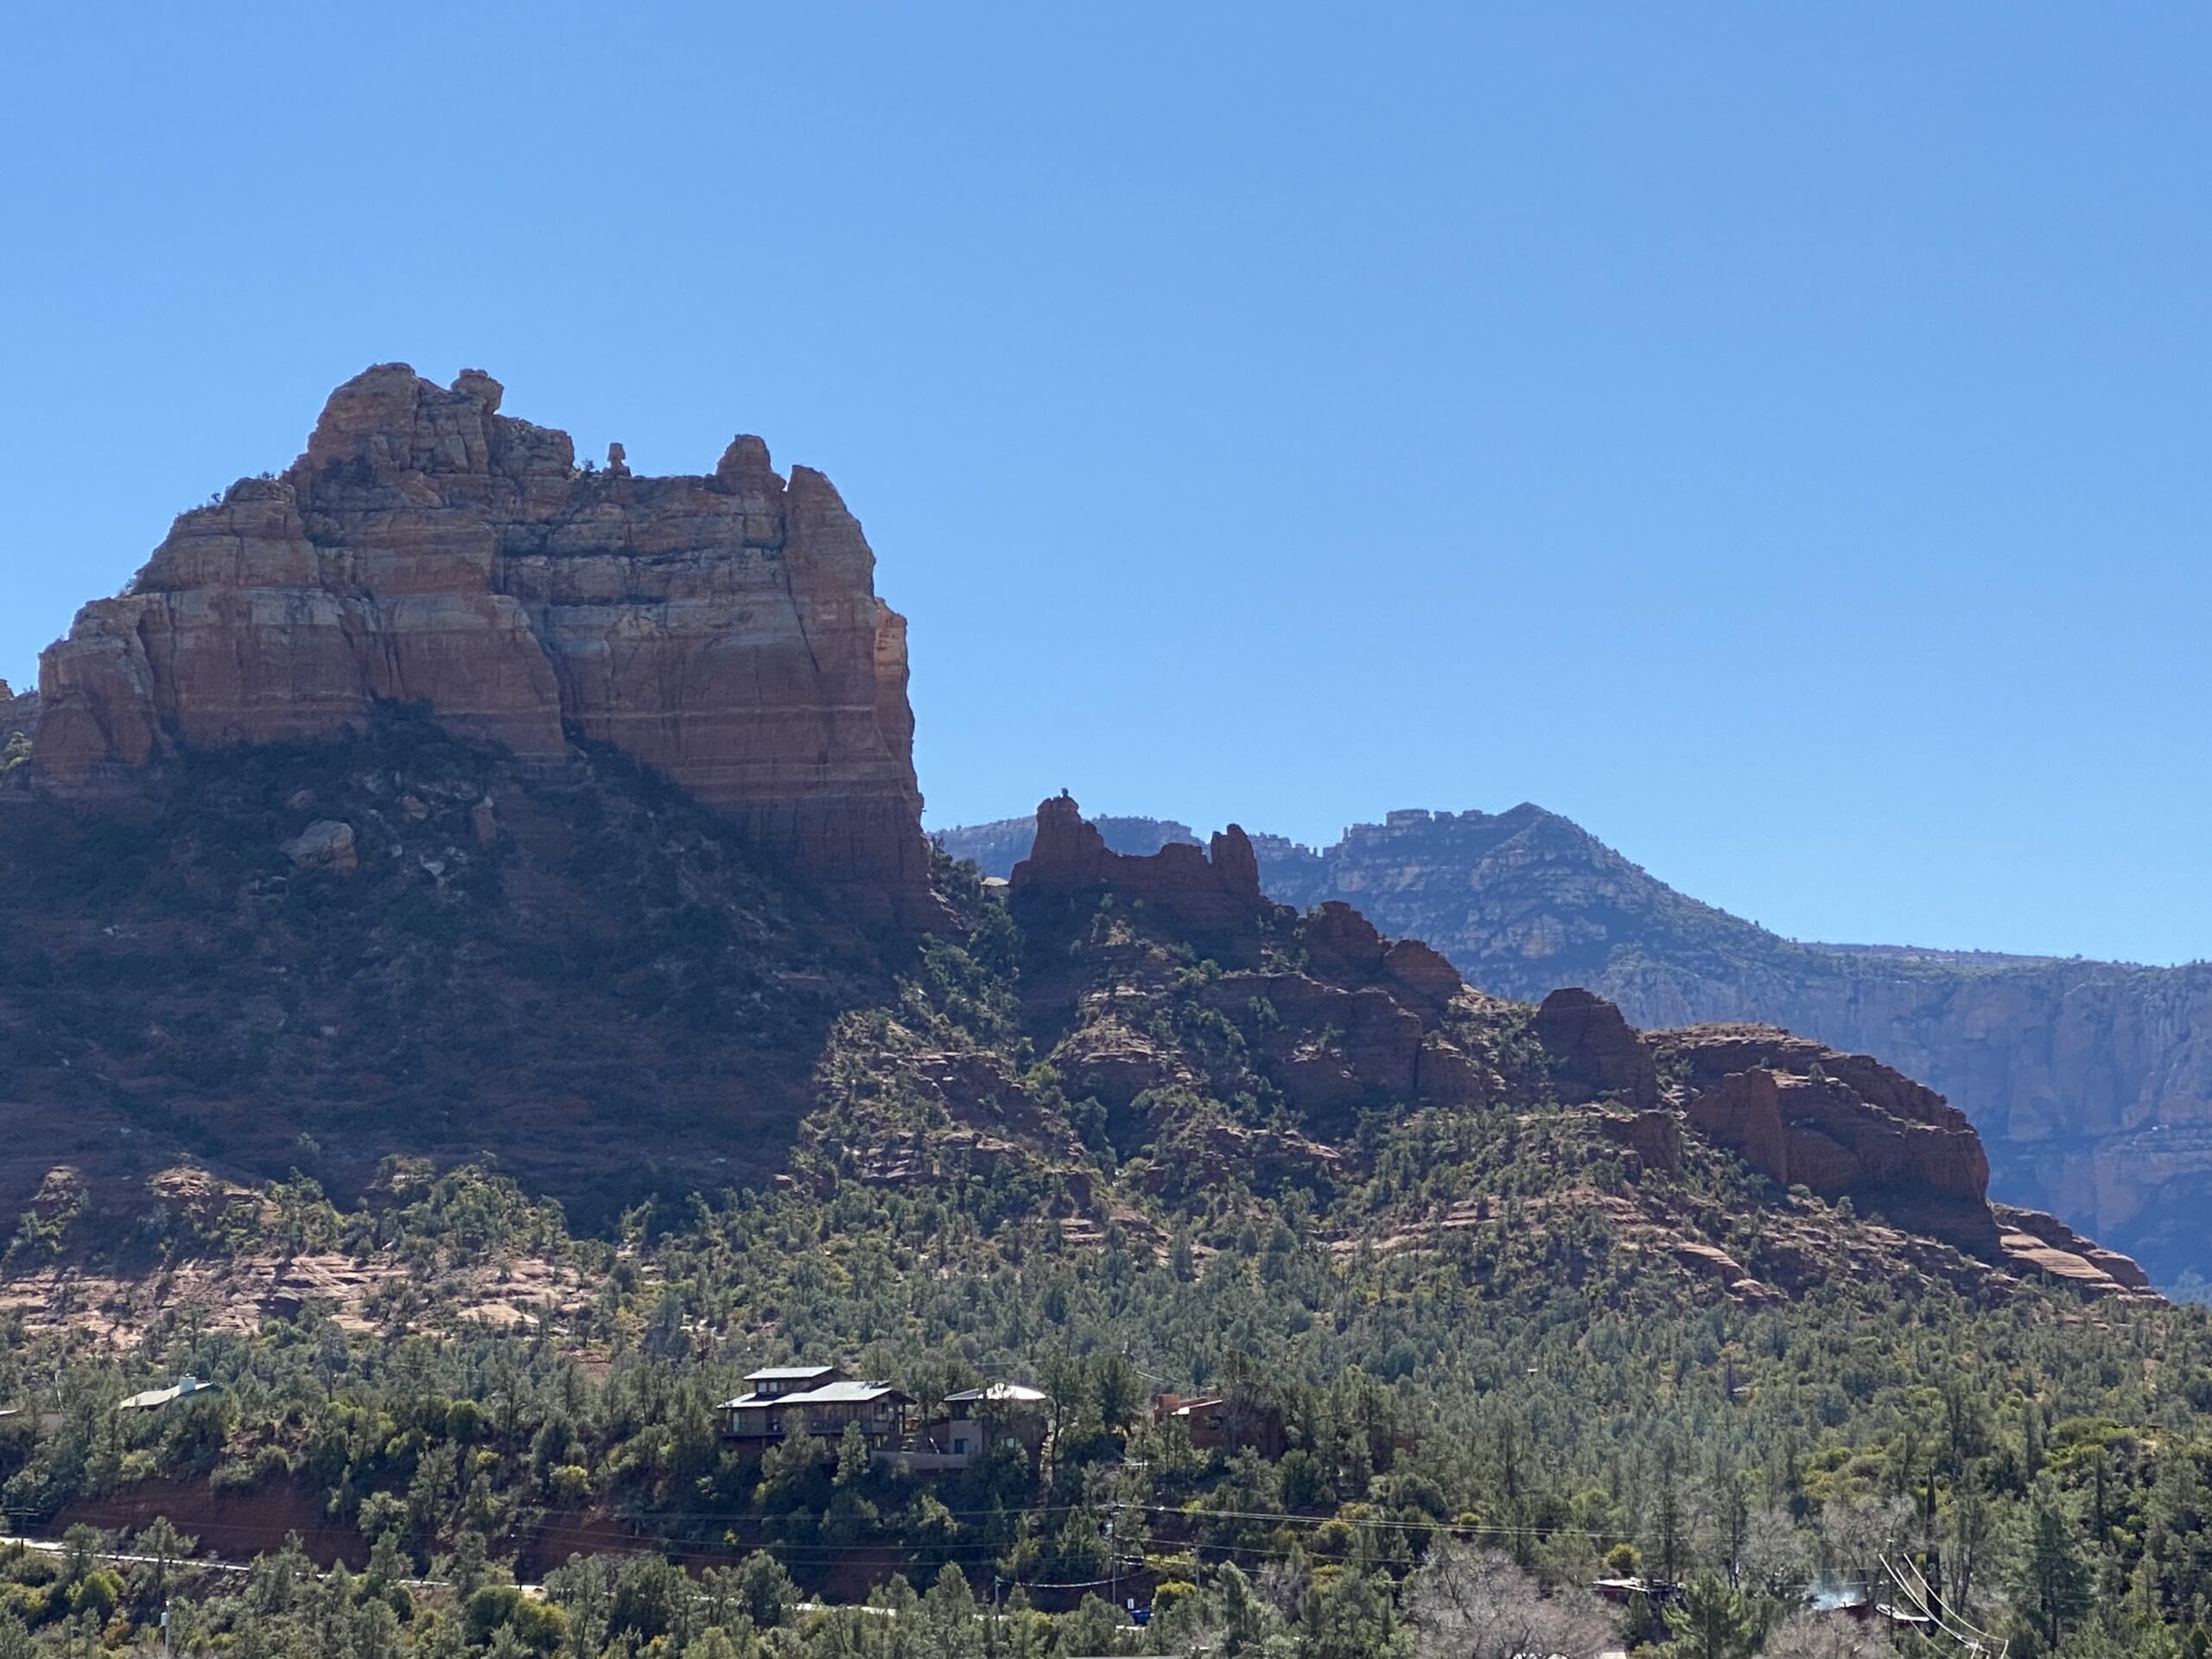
{"x":722,"y":629}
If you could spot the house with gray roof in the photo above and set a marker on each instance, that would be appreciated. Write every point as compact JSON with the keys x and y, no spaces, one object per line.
{"x":821,"y":1401}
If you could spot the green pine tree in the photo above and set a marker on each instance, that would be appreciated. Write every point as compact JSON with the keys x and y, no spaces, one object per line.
{"x":2053,"y":1581}
{"x":1711,"y":1622}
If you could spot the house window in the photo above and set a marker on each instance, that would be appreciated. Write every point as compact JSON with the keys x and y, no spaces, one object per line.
{"x":960,"y":1448}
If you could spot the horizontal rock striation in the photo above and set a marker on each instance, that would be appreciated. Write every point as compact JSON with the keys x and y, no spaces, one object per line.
{"x":2047,"y":1246}
{"x":722,"y":629}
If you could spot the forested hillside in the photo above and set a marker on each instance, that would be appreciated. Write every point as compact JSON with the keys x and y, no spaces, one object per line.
{"x":1523,"y":1305}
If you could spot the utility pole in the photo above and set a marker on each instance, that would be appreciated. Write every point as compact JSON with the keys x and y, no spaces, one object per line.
{"x":1113,"y":1565}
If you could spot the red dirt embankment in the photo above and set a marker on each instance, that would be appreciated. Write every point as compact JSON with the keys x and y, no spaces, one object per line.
{"x":231,"y":1526}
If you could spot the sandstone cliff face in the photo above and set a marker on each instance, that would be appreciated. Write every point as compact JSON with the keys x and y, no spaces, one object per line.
{"x":1803,"y":1114}
{"x":721,"y":629}
{"x":1798,"y":1112}
{"x":1595,"y":1052}
{"x":2091,"y":1083}
{"x":1838,"y":1123}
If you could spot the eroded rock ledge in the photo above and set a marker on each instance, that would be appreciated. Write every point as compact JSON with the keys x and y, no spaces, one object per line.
{"x":722,"y":629}
{"x":1844,"y":1126}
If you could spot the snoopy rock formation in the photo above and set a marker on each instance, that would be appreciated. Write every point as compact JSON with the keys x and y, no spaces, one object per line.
{"x":723,"y":630}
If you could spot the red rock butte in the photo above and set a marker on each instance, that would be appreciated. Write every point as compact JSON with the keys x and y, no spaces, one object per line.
{"x":722,"y":630}
{"x":1214,"y":886}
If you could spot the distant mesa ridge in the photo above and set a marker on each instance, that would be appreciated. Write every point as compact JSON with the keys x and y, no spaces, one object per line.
{"x":2090,"y":1082}
{"x":722,"y":629}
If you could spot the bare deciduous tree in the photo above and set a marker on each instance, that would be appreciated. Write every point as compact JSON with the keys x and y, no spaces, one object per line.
{"x":1774,"y":1557}
{"x":1824,"y":1636}
{"x":1469,"y":1604}
{"x":1971,"y":1521}
{"x":1854,"y":1537}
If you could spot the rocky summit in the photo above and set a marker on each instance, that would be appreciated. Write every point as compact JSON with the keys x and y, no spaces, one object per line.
{"x":723,"y":628}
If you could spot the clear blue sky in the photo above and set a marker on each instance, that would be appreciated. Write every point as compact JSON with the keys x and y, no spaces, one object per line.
{"x":1774,"y":436}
